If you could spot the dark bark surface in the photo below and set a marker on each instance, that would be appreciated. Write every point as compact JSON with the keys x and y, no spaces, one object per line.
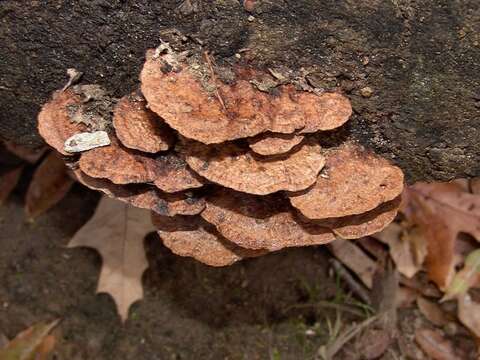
{"x":411,"y":68}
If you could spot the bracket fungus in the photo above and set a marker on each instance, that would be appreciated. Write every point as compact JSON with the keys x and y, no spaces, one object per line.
{"x":139,"y":128}
{"x":186,"y":101}
{"x":274,"y":144}
{"x":230,"y":171}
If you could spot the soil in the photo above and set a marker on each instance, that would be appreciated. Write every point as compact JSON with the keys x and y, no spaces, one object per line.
{"x":190,"y":311}
{"x":410,"y":67}
{"x":259,"y":308}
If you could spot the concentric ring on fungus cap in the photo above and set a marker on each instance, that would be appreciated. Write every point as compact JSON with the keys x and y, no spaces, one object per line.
{"x":54,"y":123}
{"x":240,"y":169}
{"x":210,"y":111}
{"x":261,"y":222}
{"x":355,"y":181}
{"x":139,"y":128}
{"x":194,"y":237}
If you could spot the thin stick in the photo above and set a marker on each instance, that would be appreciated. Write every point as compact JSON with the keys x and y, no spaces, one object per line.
{"x":214,"y":78}
{"x":353,"y":284}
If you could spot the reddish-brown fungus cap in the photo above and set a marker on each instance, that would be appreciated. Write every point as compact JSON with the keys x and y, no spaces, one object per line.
{"x":227,"y":112}
{"x":371,"y":222}
{"x":355,"y":181}
{"x":274,"y":144}
{"x":261,"y":222}
{"x":175,"y":175}
{"x":118,"y":164}
{"x":139,"y":128}
{"x":237,"y":168}
{"x":54,"y":123}
{"x":194,"y":237}
{"x":146,"y":197}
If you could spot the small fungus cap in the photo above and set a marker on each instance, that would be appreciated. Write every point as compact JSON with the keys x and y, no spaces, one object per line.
{"x":54,"y":122}
{"x":261,"y":222}
{"x":175,"y":175}
{"x":139,"y":128}
{"x":146,"y":197}
{"x":210,"y":111}
{"x":192,"y":236}
{"x":354,"y":181}
{"x":357,"y":226}
{"x":118,"y":164}
{"x":274,"y":144}
{"x":237,"y":168}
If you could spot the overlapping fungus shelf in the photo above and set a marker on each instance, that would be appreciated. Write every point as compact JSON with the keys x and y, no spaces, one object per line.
{"x":228,"y":171}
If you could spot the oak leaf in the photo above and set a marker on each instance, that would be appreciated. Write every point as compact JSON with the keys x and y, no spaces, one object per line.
{"x":435,"y":345}
{"x":116,"y":231}
{"x":442,"y":211}
{"x":33,"y":343}
{"x":8,"y":182}
{"x":469,"y":314}
{"x":49,"y":185}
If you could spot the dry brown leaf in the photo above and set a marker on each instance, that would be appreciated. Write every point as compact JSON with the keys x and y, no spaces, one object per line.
{"x":116,"y":231}
{"x":274,"y":144}
{"x":261,"y":222}
{"x":34,"y":343}
{"x":139,"y":128}
{"x":355,"y":259}
{"x":234,"y":167}
{"x":49,"y":185}
{"x":8,"y":182}
{"x":354,"y":182}
{"x":442,"y":210}
{"x":407,"y":247}
{"x":432,"y":312}
{"x":435,"y":345}
{"x":31,"y":155}
{"x":469,"y":314}
{"x":206,"y":110}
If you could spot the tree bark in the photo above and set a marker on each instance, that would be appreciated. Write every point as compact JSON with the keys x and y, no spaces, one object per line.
{"x":410,"y":67}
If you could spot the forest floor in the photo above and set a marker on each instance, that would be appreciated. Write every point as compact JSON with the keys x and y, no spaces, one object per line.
{"x":291,"y":304}
{"x":257,"y":309}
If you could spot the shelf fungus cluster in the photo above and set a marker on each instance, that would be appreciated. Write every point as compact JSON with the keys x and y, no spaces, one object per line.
{"x":228,"y":171}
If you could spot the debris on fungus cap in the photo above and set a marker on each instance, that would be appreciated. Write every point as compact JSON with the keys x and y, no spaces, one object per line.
{"x":202,"y":108}
{"x":174,"y":174}
{"x":354,"y":181}
{"x":118,"y":164}
{"x":139,"y":128}
{"x":261,"y":222}
{"x":240,"y":169}
{"x":274,"y":144}
{"x":54,"y":123}
{"x":146,"y":197}
{"x":371,"y":222}
{"x":193,"y":237}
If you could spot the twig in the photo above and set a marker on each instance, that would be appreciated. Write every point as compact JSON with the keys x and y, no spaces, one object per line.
{"x":353,"y":284}
{"x":214,"y":78}
{"x":329,"y":305}
{"x":345,"y":337}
